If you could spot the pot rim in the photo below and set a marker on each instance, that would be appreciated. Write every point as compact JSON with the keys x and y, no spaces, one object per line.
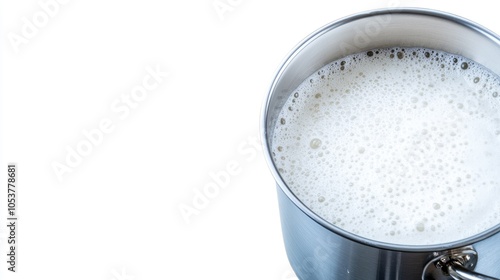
{"x":281,"y":183}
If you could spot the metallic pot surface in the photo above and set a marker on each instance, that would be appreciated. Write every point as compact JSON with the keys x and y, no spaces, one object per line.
{"x":317,"y":249}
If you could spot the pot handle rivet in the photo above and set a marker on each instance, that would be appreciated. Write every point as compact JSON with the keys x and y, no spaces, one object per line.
{"x":456,"y":264}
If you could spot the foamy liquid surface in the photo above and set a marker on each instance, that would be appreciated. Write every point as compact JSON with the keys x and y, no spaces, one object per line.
{"x":396,"y":145}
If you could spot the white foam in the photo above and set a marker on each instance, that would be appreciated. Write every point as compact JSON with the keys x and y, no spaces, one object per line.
{"x":396,"y":145}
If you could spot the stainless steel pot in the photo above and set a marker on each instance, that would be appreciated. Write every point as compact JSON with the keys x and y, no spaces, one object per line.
{"x":318,"y":250}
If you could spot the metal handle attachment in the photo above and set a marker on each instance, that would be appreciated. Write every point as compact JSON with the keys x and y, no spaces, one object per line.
{"x":458,"y":272}
{"x":456,"y":264}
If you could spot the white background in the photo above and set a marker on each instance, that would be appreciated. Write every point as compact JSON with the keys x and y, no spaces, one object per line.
{"x":116,"y":215}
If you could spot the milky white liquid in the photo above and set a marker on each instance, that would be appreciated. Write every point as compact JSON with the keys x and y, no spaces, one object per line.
{"x":396,"y":145}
